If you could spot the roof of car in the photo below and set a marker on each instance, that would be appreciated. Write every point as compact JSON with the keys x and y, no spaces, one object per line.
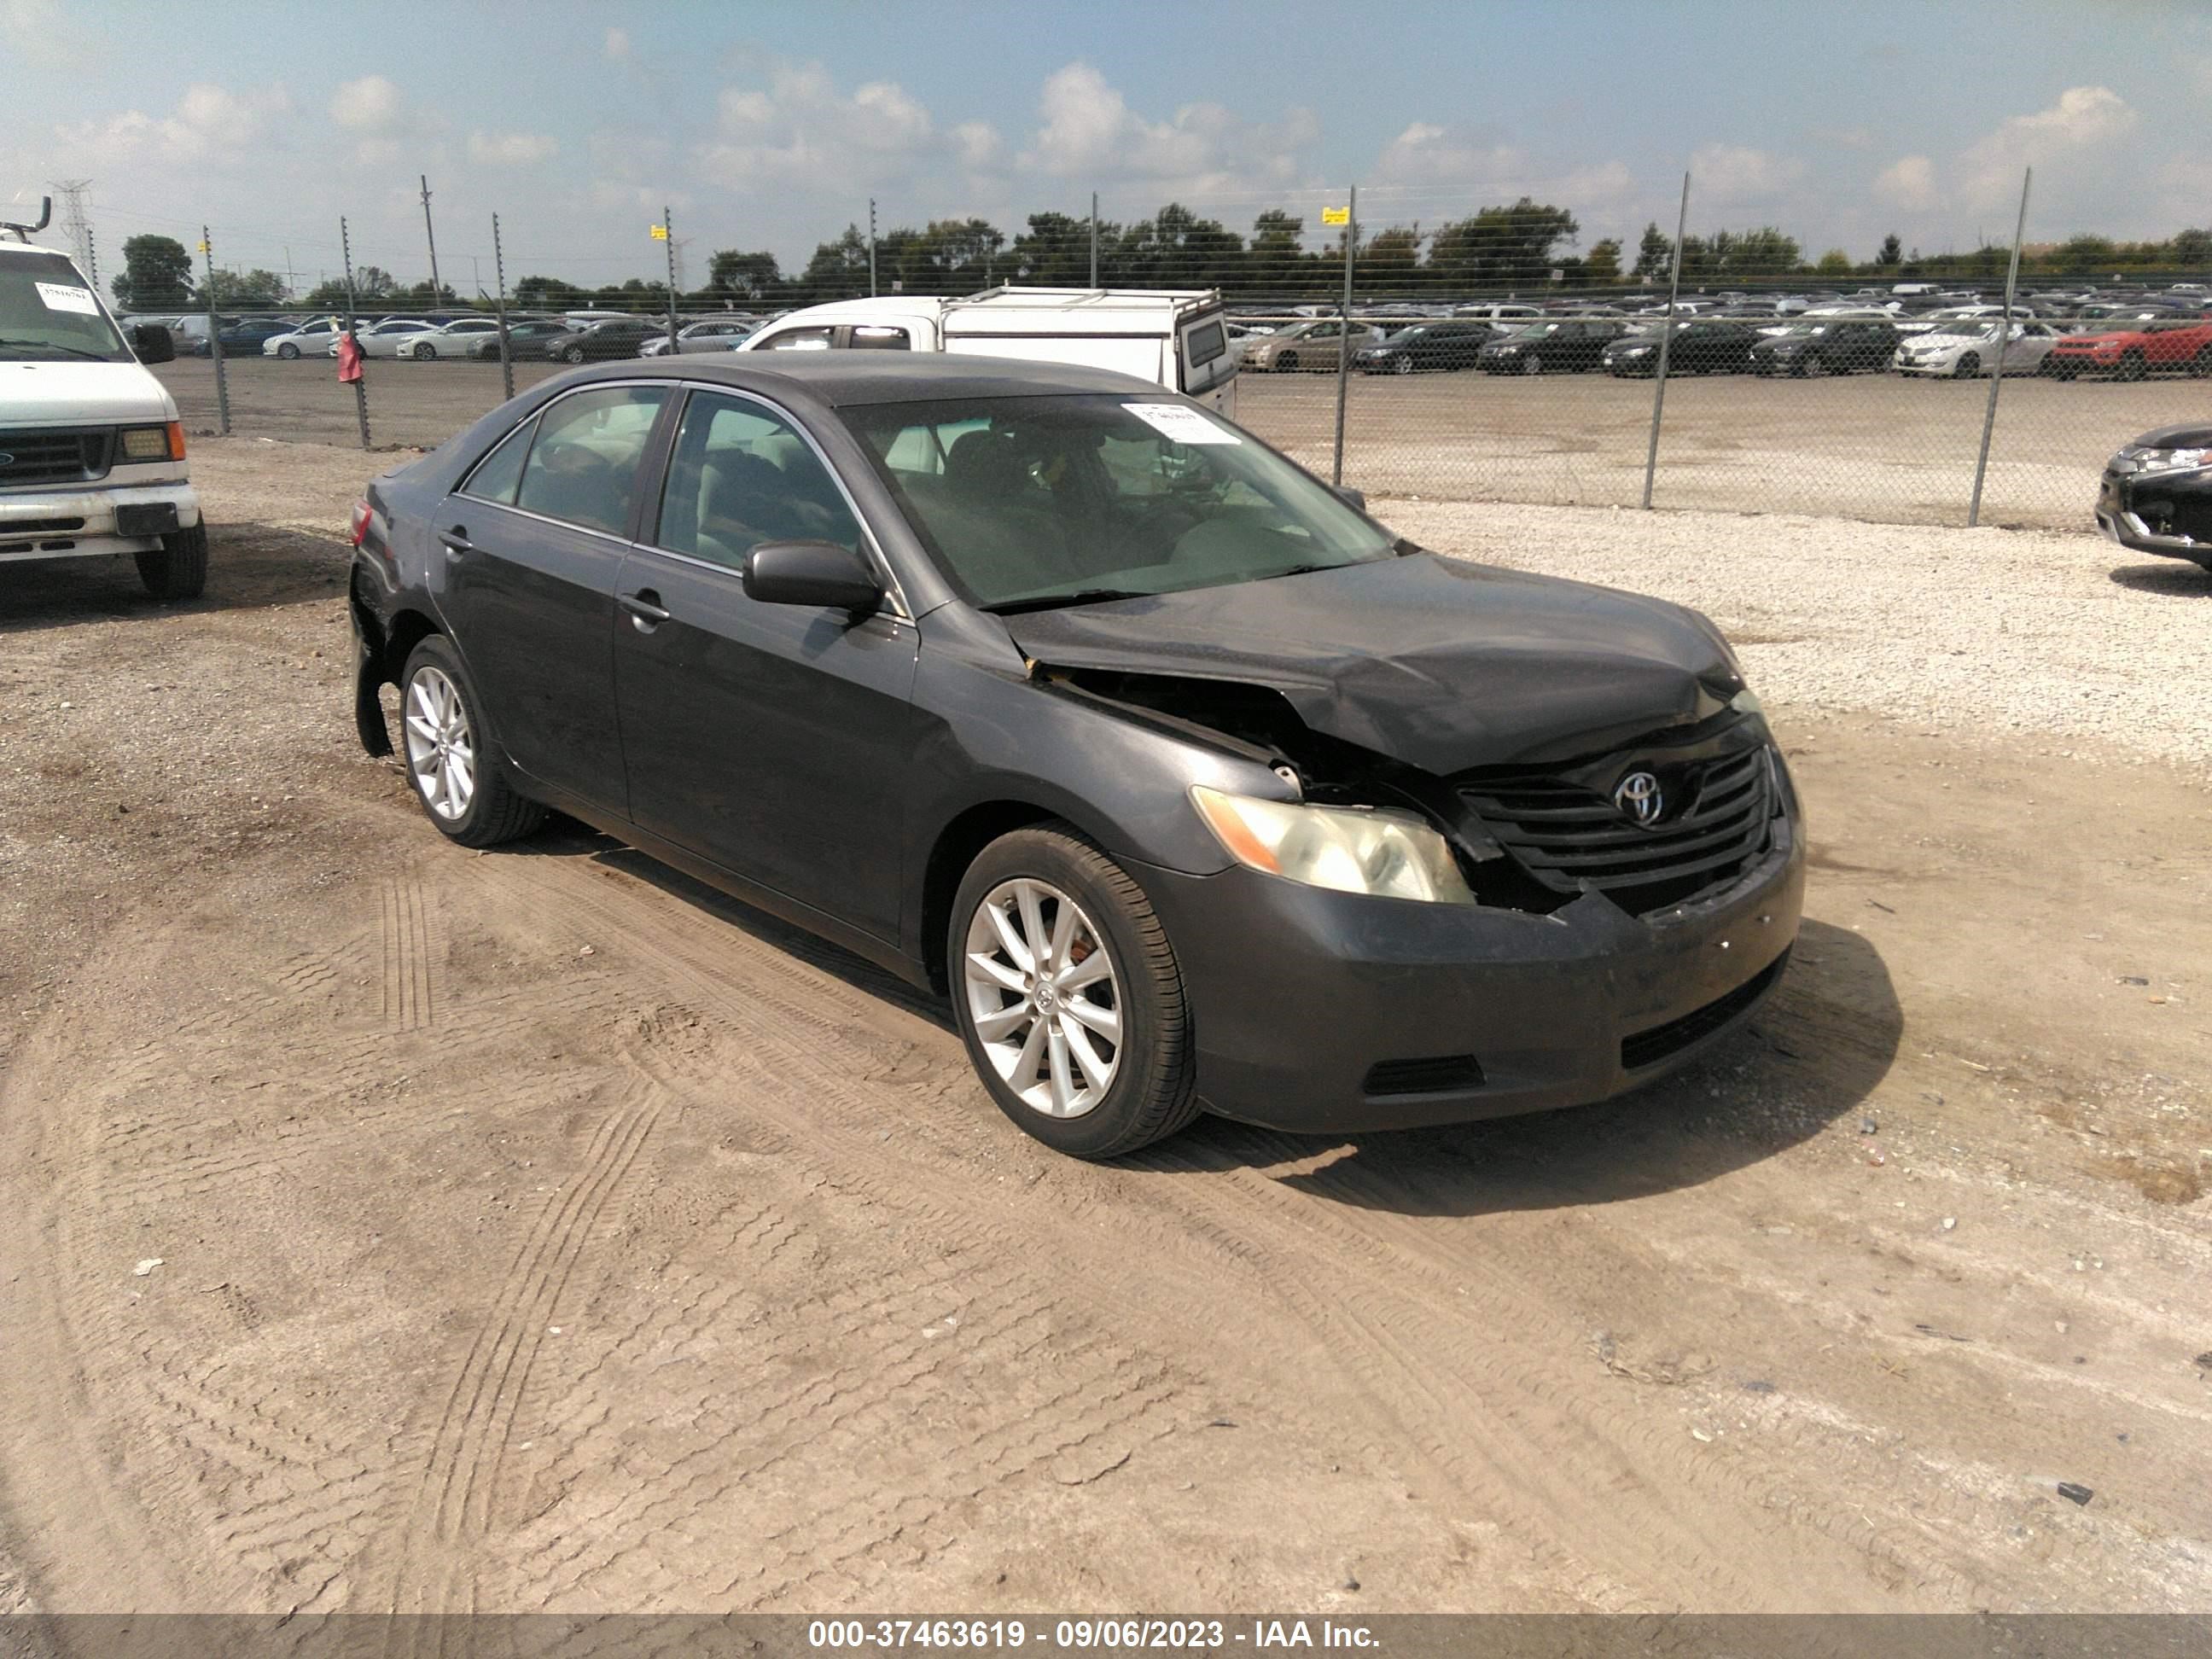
{"x":845,"y":379}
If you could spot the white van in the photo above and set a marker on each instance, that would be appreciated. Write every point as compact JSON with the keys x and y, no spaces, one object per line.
{"x":92,"y":454}
{"x":1176,"y":338}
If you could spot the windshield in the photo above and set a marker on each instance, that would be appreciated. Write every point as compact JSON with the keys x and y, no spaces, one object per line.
{"x":47,"y":314}
{"x":1034,"y":501}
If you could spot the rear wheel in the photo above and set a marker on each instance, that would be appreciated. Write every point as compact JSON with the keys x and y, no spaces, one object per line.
{"x":1968,"y":366}
{"x":457,"y":781}
{"x":1068,"y":996}
{"x":179,"y":569}
{"x":2201,"y":364}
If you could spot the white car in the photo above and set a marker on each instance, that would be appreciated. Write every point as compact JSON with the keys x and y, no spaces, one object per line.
{"x":1966,"y":348}
{"x":720,"y":334}
{"x":310,"y":339}
{"x":453,"y":339}
{"x":382,"y":339}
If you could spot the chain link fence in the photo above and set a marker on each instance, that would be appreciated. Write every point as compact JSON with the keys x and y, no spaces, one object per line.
{"x":1497,"y":356}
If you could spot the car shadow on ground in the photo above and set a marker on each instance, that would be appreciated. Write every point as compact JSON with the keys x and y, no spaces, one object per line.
{"x":248,"y":564}
{"x":1811,"y":1056}
{"x":2173,"y":578}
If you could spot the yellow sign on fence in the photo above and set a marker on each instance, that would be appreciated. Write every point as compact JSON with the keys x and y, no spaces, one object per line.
{"x":660,"y":233}
{"x":1330,"y":215}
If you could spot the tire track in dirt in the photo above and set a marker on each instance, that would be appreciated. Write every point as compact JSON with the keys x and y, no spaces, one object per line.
{"x":414,"y":947}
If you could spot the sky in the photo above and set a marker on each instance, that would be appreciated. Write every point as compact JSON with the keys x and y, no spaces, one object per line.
{"x":762,"y":124}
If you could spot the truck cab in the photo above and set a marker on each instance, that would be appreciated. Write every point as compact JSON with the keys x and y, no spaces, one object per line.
{"x":91,"y":454}
{"x":1176,"y":338}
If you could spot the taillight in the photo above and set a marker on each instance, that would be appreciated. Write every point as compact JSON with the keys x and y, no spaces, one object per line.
{"x":362,"y":514}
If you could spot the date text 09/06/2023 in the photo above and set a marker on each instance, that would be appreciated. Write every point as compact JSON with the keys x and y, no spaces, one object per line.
{"x":1077,"y":1635}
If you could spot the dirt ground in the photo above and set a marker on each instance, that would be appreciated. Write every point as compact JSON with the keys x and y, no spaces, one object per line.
{"x":388,"y":1227}
{"x":1876,"y":446}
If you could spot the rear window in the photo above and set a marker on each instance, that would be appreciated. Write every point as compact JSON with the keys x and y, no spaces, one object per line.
{"x":1205,"y":343}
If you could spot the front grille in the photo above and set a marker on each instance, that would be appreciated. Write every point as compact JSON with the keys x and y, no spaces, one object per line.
{"x":1650,"y":1048}
{"x":1564,"y":830}
{"x":38,"y":526}
{"x":1445,"y":1073}
{"x":47,"y":455}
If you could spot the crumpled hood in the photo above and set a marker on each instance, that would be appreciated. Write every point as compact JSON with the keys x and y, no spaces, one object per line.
{"x":1435,"y":662}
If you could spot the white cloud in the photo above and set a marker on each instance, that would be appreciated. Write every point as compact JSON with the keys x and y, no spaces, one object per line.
{"x":801,"y":132}
{"x":617,"y":45}
{"x":46,"y":33}
{"x":209,"y":122}
{"x":1091,"y":135}
{"x":1451,"y":173}
{"x":2075,"y":133}
{"x":1735,"y":173}
{"x":511,"y":149}
{"x":1908,"y":183}
{"x":371,"y":104}
{"x":978,"y":143}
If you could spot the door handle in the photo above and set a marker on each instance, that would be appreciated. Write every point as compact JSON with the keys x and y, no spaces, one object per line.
{"x":645,"y":610}
{"x":457,"y":542}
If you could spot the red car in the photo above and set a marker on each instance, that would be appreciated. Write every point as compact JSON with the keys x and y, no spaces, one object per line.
{"x":2133,"y":352}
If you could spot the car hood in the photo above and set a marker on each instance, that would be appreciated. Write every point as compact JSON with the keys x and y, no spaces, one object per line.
{"x":1437,"y":663}
{"x":80,"y":394}
{"x":2198,"y":436}
{"x":2109,"y":336}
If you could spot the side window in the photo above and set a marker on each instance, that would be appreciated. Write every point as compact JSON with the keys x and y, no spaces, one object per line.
{"x":741,"y":476}
{"x":800,"y":339}
{"x":583,"y":468}
{"x":497,"y":475}
{"x":868,"y":337}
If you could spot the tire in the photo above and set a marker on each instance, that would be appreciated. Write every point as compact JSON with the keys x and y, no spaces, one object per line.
{"x":1966,"y":367}
{"x":1147,"y":1092}
{"x":2063,"y":372}
{"x":438,"y":712}
{"x":425,"y":352}
{"x":288,"y":352}
{"x":179,"y":569}
{"x":2201,"y":364}
{"x":2132,"y":367}
{"x":1403,"y":365}
{"x":1532,"y":364}
{"x":1287,"y":363}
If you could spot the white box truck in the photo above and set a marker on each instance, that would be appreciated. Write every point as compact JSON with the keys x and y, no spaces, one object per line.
{"x":91,"y":454}
{"x":1175,"y":339}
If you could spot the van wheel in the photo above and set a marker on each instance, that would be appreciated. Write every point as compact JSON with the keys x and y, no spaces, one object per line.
{"x":179,"y":569}
{"x":1068,"y":996}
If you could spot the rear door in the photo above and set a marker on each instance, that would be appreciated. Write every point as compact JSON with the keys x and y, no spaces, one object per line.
{"x":530,"y":546}
{"x":773,"y":740}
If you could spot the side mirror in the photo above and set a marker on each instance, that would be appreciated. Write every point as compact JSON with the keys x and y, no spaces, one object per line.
{"x":152,"y":343}
{"x":811,"y":572}
{"x":1350,"y":497}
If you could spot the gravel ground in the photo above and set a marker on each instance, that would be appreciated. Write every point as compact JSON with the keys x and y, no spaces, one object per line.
{"x":2052,"y":636}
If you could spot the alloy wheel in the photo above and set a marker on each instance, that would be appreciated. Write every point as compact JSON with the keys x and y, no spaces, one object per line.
{"x":1044,"y":996}
{"x":441,"y":750}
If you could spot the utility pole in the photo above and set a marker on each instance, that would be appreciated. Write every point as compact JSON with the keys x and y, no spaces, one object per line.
{"x":437,"y":294}
{"x":290,"y":285}
{"x":872,"y":247}
{"x":214,"y":339}
{"x":78,"y":227}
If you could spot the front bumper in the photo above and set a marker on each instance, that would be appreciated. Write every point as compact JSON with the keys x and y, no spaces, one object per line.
{"x":70,"y":524}
{"x":1312,"y":1008}
{"x":2157,"y":512}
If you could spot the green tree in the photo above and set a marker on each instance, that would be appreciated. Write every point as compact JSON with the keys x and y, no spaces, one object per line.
{"x":1176,"y":248}
{"x":1891,"y":253}
{"x":1276,"y":260}
{"x":959,"y":256}
{"x":156,"y":275}
{"x":1054,"y":251}
{"x":1510,"y":245}
{"x":1655,"y":252}
{"x":1835,"y":263}
{"x":1603,"y":265}
{"x":1389,"y":262}
{"x":423,"y":295}
{"x":547,"y":294}
{"x":246,"y":289}
{"x":735,"y":275}
{"x":2192,"y":249}
{"x":838,"y":270}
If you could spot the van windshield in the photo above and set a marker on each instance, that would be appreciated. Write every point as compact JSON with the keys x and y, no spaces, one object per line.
{"x":47,"y":314}
{"x":1030,"y":503}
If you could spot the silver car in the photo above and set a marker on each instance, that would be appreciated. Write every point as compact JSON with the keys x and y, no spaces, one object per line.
{"x":720,"y":334}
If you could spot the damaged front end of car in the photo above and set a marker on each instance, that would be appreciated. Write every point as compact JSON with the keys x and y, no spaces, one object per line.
{"x":2156,"y":495}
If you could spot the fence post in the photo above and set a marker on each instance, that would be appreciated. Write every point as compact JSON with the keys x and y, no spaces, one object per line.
{"x":668,"y":235}
{"x":215,"y":340}
{"x":499,"y":276}
{"x":872,"y":247}
{"x":1343,"y":330}
{"x":1094,"y":239}
{"x":1666,"y":339}
{"x":361,"y":385}
{"x":1997,"y":368}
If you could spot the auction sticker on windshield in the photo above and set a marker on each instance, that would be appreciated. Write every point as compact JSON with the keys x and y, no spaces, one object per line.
{"x":60,"y":297}
{"x":1184,"y":426}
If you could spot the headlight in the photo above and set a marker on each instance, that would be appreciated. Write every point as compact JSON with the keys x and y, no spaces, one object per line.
{"x":153,"y":443}
{"x":1747,"y":702}
{"x":2169,"y":460}
{"x":1374,"y":851}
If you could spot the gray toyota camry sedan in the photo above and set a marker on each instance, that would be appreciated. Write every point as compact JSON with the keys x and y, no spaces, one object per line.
{"x":1189,"y":785}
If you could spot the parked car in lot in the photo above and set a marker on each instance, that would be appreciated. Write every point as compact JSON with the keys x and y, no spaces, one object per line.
{"x":1965,"y":348}
{"x":1702,"y":346}
{"x":611,"y":337}
{"x":1307,"y":345}
{"x":2132,"y":353}
{"x":312,"y":338}
{"x":1185,"y":783}
{"x":1532,"y":348}
{"x":1828,"y":346}
{"x":719,"y":334}
{"x":1425,"y":345}
{"x":455,"y":339}
{"x":382,"y":339}
{"x":2156,"y":495}
{"x":525,"y":339}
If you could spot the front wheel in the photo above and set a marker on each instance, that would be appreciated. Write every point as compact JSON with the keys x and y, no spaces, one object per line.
{"x":1403,"y":365}
{"x":177,"y":570}
{"x":573,"y":354}
{"x":1068,"y":996}
{"x":1532,"y":364}
{"x":2132,"y":367}
{"x":288,"y":352}
{"x":1966,"y":367}
{"x":459,"y":782}
{"x":425,"y":352}
{"x":1288,"y":362}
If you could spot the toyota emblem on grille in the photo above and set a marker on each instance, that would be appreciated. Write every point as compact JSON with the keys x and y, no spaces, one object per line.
{"x":1640,"y":797}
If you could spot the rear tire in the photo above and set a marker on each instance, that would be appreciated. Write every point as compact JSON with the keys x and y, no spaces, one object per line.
{"x":441,"y":723}
{"x":1149,"y":1091}
{"x":179,"y":569}
{"x":2201,"y":365}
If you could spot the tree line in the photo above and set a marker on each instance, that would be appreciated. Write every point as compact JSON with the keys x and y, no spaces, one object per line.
{"x":1526,"y":245}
